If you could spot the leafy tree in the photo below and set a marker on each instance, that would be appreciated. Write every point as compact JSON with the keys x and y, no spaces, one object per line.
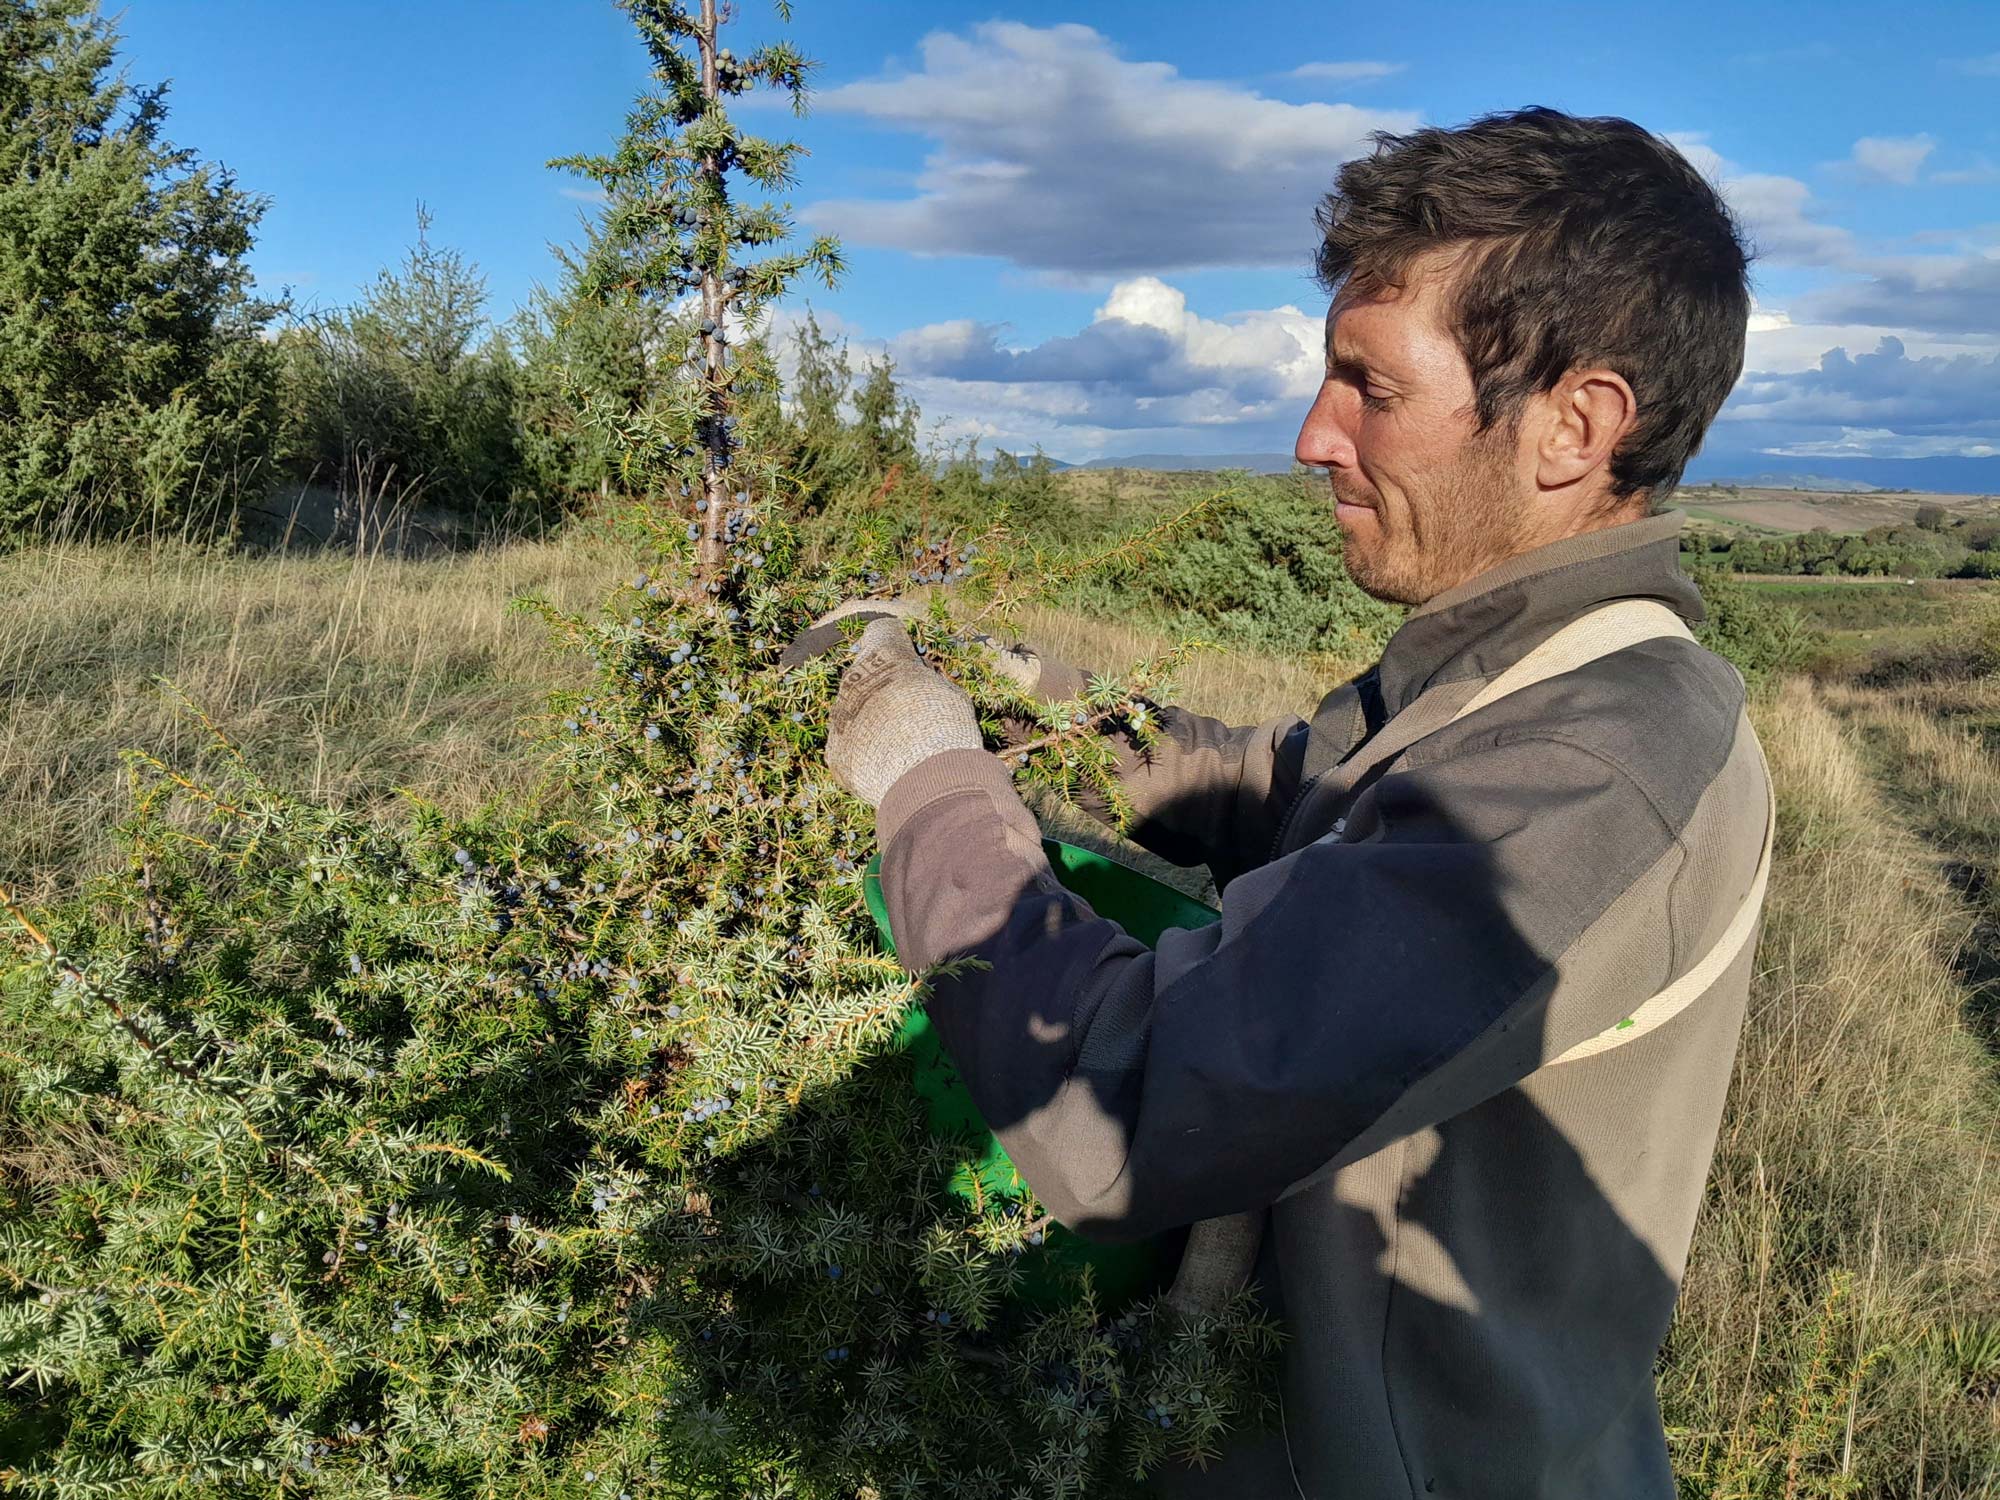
{"x":1980,"y":565}
{"x":1933,"y":517}
{"x":133,"y":385}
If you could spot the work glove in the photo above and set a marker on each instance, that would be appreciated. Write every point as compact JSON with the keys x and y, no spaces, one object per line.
{"x":892,"y":713}
{"x":1018,"y":663}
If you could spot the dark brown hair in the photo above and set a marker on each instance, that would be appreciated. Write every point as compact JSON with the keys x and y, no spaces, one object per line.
{"x":1591,"y":242}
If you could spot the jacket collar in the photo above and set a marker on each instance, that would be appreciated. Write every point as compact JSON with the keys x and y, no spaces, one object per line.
{"x":1492,"y":620}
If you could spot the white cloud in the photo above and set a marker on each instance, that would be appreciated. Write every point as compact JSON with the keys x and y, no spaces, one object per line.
{"x":1892,"y":158}
{"x":1055,"y":153}
{"x":1980,"y":67}
{"x":585,"y":194}
{"x":1946,"y":294}
{"x":1775,"y":211}
{"x":1881,"y":404}
{"x":1346,"y":72}
{"x":1778,"y":345}
{"x":1978,"y":174}
{"x":1147,"y":372}
{"x":1880,"y":442}
{"x":1145,"y":360}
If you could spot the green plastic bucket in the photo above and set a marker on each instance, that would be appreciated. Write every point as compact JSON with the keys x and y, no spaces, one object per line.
{"x":1144,"y":908}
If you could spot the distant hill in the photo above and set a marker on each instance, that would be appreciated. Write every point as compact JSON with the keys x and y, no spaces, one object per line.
{"x":1174,"y":463}
{"x":1939,"y":476}
{"x":1057,"y":464}
{"x":1850,"y":476}
{"x":1835,"y":476}
{"x":1816,"y":483}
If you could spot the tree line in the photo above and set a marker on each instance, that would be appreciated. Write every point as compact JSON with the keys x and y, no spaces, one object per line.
{"x":1936,"y":543}
{"x":145,"y":381}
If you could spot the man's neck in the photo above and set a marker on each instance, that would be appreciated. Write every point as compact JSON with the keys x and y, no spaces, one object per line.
{"x":1557,"y":526}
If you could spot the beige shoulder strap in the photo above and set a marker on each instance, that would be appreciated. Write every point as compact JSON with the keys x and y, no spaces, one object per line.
{"x":1584,"y":640}
{"x":1220,"y":1252}
{"x":1599,"y":633}
{"x":1684,"y":991}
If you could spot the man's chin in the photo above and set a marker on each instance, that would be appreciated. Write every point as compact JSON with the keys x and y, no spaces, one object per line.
{"x":1378,"y":582}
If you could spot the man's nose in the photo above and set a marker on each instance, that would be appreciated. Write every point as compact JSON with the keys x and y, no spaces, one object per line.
{"x":1324,"y":437}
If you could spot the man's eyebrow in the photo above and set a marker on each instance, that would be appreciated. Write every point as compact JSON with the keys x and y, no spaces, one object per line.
{"x":1346,"y":361}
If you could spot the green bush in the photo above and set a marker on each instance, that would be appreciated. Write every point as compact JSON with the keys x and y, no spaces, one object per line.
{"x":398,"y":395}
{"x":1762,"y":638}
{"x":134,"y":389}
{"x":1260,"y":568}
{"x":566,"y":1149}
{"x":483,"y":1157}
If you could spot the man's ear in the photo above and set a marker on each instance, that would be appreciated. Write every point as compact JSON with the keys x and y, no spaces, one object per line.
{"x":1585,"y":417}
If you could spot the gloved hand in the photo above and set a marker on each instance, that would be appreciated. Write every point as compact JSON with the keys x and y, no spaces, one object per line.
{"x":1018,"y":663}
{"x":892,"y":713}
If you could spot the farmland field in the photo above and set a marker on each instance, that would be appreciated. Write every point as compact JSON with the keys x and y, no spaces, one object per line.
{"x":1779,"y":510}
{"x":1861,"y":619}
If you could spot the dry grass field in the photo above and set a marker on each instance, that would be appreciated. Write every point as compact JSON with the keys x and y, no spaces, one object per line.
{"x":1839,"y":1333}
{"x":340,"y":676}
{"x":1803,"y":510}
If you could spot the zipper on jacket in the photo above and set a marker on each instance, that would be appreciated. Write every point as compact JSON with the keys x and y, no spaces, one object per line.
{"x":1298,"y":798}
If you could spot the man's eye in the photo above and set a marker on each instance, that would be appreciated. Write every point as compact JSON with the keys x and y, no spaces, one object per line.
{"x":1374,"y":401}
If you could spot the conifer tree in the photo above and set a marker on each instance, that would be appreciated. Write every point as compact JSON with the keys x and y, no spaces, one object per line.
{"x":673,"y":230}
{"x":132,"y":382}
{"x":571,"y":1148}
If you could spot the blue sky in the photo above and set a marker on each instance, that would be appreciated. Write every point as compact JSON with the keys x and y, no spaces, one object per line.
{"x":1088,"y":227}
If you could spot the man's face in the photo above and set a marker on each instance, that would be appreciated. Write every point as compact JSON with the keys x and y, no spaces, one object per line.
{"x":1423,"y":501}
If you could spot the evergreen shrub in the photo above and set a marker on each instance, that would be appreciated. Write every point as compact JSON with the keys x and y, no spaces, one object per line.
{"x":1762,"y":638}
{"x":1261,"y":568}
{"x":134,"y":388}
{"x":565,"y":1141}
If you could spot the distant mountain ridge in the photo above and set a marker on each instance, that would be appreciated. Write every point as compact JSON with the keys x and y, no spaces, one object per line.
{"x":1948,"y":476}
{"x":1174,"y":463}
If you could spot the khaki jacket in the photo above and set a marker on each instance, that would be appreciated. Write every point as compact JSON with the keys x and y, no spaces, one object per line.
{"x":1480,"y":1270}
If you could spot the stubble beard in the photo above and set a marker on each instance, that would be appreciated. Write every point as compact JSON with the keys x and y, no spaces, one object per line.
{"x":1465,"y":523}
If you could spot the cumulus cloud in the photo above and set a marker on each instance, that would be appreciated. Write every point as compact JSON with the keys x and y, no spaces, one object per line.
{"x":1346,"y":72}
{"x":1147,"y":372}
{"x":1145,"y":360}
{"x":1951,"y":294}
{"x":1144,"y":342}
{"x":1776,"y":212}
{"x":1891,"y":158}
{"x":1055,"y":153}
{"x":1882,"y":404}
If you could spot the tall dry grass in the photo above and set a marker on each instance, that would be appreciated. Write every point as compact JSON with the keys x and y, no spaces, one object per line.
{"x":1839,"y":1327}
{"x":341,"y":675}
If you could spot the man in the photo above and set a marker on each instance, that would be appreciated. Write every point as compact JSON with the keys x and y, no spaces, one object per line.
{"x":1460,"y":1041}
